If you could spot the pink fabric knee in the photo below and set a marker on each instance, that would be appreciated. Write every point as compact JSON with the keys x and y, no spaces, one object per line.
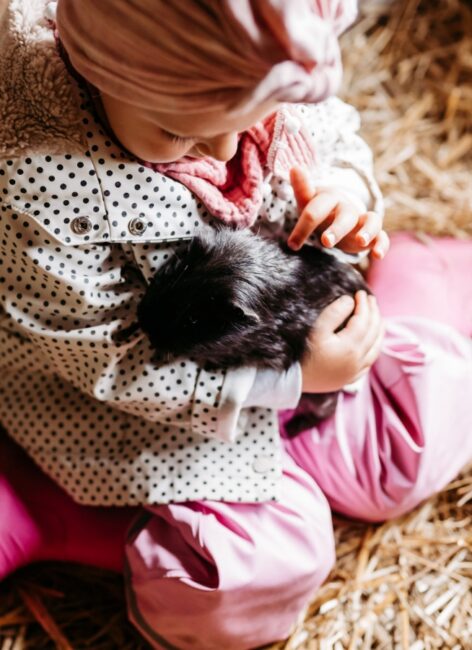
{"x":39,"y":521}
{"x":213,"y":575}
{"x":407,"y":431}
{"x":428,"y":277}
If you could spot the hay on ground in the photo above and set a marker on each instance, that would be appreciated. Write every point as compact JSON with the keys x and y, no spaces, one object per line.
{"x":408,"y":69}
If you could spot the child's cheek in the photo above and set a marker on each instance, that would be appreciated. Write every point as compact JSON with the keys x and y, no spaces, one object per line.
{"x":156,"y":150}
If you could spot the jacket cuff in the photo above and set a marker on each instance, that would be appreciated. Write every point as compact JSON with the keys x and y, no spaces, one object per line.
{"x":218,"y":402}
{"x":275,"y":389}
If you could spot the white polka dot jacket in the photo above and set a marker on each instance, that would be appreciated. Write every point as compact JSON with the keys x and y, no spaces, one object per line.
{"x":84,"y":228}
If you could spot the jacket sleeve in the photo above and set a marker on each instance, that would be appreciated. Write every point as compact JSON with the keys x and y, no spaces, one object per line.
{"x":77,"y":307}
{"x":221,"y":395}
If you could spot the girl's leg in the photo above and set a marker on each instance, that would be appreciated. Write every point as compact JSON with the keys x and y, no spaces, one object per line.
{"x":408,"y":430}
{"x":213,"y":575}
{"x":39,"y":521}
{"x":428,"y":277}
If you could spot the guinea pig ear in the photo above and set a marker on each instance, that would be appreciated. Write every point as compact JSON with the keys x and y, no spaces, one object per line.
{"x":243,"y":314}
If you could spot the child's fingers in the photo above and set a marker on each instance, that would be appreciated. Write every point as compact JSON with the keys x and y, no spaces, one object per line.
{"x":373,"y":339}
{"x":345,"y":220}
{"x":363,"y":328}
{"x":374,"y":326}
{"x":315,"y":213}
{"x":334,"y":315}
{"x":381,"y":245}
{"x":357,"y":325}
{"x":371,"y":225}
{"x":301,"y":186}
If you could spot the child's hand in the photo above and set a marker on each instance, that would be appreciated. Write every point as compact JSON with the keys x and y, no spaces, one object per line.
{"x":332,"y":214}
{"x":339,"y":358}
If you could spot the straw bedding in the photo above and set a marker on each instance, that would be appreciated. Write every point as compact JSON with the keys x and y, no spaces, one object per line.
{"x":404,"y":584}
{"x":409,"y":72}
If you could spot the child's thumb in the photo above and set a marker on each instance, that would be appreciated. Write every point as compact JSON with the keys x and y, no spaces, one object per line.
{"x":302,"y":188}
{"x":334,"y":315}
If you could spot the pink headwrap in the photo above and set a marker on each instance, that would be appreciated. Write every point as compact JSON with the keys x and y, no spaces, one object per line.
{"x":189,"y":55}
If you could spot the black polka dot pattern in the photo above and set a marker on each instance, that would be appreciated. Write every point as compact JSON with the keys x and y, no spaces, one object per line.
{"x":81,"y":389}
{"x":103,"y":196}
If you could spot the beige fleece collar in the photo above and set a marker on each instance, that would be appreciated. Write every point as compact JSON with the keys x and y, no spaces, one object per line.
{"x":38,"y":105}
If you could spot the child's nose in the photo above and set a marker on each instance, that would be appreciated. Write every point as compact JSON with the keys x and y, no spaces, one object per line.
{"x":221,"y":147}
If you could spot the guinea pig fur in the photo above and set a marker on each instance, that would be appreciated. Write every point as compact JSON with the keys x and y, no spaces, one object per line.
{"x":233,"y":298}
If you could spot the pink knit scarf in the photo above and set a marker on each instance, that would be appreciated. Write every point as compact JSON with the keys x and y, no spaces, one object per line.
{"x":232,"y":191}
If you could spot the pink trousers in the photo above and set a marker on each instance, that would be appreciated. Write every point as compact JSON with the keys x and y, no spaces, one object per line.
{"x":212,"y":575}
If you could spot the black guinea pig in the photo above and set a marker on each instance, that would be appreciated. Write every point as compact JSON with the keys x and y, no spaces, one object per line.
{"x":232,"y":298}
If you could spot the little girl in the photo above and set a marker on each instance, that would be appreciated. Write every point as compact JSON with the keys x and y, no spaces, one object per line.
{"x":127,"y":127}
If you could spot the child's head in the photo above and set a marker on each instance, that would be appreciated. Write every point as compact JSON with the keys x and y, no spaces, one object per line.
{"x":183,"y":77}
{"x":160,"y":136}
